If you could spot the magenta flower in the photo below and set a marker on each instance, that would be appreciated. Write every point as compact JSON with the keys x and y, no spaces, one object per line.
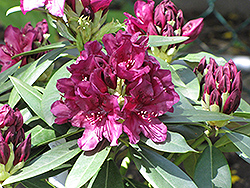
{"x":55,"y":7}
{"x":124,"y":89}
{"x":150,"y":96}
{"x":18,"y":41}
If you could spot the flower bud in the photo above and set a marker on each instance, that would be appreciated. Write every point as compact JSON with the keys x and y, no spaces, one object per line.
{"x":23,"y":151}
{"x":4,"y":151}
{"x":192,"y":29}
{"x":7,"y":117}
{"x":222,"y":89}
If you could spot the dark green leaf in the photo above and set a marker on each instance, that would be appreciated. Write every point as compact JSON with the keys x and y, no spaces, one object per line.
{"x":36,"y":184}
{"x":156,"y":40}
{"x":188,"y":131}
{"x":51,"y":93}
{"x":212,"y":169}
{"x":131,"y":183}
{"x":157,"y":170}
{"x":108,"y":176}
{"x":45,"y":162}
{"x":175,"y":143}
{"x":190,"y":163}
{"x":87,"y":164}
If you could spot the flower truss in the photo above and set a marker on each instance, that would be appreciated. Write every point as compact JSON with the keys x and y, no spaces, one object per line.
{"x":123,"y":90}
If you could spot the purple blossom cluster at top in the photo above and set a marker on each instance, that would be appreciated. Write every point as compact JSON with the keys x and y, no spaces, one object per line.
{"x":22,"y":40}
{"x":165,"y":19}
{"x":123,"y":90}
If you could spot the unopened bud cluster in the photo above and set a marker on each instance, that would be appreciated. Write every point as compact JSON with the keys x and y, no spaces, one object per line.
{"x":14,"y":148}
{"x":222,"y":86}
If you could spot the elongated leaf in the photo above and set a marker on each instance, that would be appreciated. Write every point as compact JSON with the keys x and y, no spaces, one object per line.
{"x":40,"y":135}
{"x":108,"y":177}
{"x":188,"y":115}
{"x":44,"y":48}
{"x":45,"y":162}
{"x":29,"y":94}
{"x":51,"y":93}
{"x":175,"y":143}
{"x":131,"y":183}
{"x":190,"y":163}
{"x":212,"y":169}
{"x":157,"y":170}
{"x":191,"y":88}
{"x":156,"y":40}
{"x":196,"y":57}
{"x":85,"y":167}
{"x":188,"y":131}
{"x":5,"y":74}
{"x":34,"y":71}
{"x":241,"y":141}
{"x":36,"y":184}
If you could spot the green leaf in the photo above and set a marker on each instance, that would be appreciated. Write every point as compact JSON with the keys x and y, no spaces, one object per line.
{"x":5,"y":74}
{"x":34,"y":71}
{"x":212,"y":169}
{"x":188,"y":115}
{"x":108,"y":176}
{"x":244,"y":106}
{"x":29,"y":94}
{"x":196,"y":57}
{"x":156,"y":40}
{"x":45,"y":162}
{"x":189,"y":132}
{"x":40,"y":135}
{"x":87,"y":164}
{"x":51,"y":93}
{"x":175,"y":143}
{"x":44,"y":48}
{"x":190,"y":163}
{"x":157,"y":170}
{"x":191,"y":86}
{"x":36,"y":184}
{"x":241,"y":141}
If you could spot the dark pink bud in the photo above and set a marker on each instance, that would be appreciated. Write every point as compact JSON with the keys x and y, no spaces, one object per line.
{"x":4,"y":151}
{"x":232,"y":67}
{"x":215,"y":98}
{"x":19,"y":119}
{"x":7,"y":117}
{"x":192,"y":29}
{"x":224,"y":84}
{"x":168,"y":30}
{"x":237,"y":82}
{"x":23,"y":151}
{"x":202,"y":65}
{"x":232,"y":102}
{"x":212,"y":66}
{"x":209,"y":83}
{"x":20,"y":136}
{"x":151,"y":29}
{"x":9,"y":134}
{"x":219,"y":74}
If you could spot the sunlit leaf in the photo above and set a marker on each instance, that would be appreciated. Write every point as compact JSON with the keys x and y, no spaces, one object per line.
{"x":157,"y":40}
{"x":212,"y":169}
{"x":157,"y":170}
{"x":45,"y":162}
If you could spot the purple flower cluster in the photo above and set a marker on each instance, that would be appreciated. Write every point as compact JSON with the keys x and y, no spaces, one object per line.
{"x":18,"y":41}
{"x":121,"y":90}
{"x":165,"y":20}
{"x":222,"y":86}
{"x":14,"y":148}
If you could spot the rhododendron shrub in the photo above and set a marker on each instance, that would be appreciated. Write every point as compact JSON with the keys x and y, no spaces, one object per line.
{"x":123,"y":90}
{"x":115,"y":104}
